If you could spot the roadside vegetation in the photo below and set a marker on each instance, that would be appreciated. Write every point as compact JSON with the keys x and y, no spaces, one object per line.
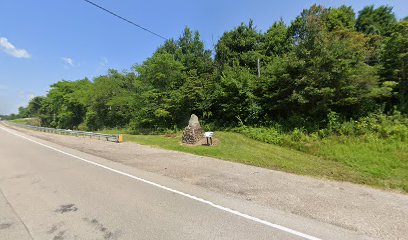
{"x":372,"y":150}
{"x":27,"y":121}
{"x":374,"y":147}
{"x":331,"y":98}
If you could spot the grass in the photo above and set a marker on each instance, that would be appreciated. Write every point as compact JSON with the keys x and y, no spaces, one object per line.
{"x":20,"y":121}
{"x":374,"y":162}
{"x":382,"y":162}
{"x":27,"y":121}
{"x":375,"y":148}
{"x":365,"y":159}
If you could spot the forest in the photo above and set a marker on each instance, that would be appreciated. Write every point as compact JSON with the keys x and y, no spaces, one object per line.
{"x":327,"y":62}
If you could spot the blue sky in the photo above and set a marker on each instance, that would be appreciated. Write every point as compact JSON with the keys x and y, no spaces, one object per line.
{"x":42,"y":42}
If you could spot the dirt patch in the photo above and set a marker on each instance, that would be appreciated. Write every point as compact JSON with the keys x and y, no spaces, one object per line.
{"x":203,"y":142}
{"x":170,"y":135}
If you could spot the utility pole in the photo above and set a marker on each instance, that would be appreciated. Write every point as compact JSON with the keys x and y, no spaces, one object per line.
{"x":259,"y":69}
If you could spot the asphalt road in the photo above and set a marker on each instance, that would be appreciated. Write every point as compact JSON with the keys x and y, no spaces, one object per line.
{"x":52,"y":192}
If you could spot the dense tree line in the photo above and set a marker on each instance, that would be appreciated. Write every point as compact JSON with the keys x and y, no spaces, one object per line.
{"x":327,"y":60}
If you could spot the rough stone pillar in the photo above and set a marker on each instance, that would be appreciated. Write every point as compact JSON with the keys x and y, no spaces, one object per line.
{"x":193,"y":132}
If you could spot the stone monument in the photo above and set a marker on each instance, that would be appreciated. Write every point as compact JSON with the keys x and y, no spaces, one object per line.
{"x":193,"y":132}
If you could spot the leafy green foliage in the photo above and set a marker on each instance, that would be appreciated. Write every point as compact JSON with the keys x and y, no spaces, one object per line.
{"x":325,"y":72}
{"x":160,"y":78}
{"x":374,"y":146}
{"x":376,"y":21}
{"x":394,"y":69}
{"x":342,"y":17}
{"x":175,"y":82}
{"x":236,"y":101}
{"x":65,"y":104}
{"x":240,"y":46}
{"x":109,"y":99}
{"x":375,"y":126}
{"x":325,"y":62}
{"x":276,"y":40}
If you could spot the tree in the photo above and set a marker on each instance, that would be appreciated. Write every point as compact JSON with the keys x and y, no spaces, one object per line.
{"x":236,"y":101}
{"x":35,"y":106}
{"x":160,"y":101}
{"x":65,"y":104}
{"x":190,"y":51}
{"x":325,"y":72}
{"x":325,"y":61}
{"x":109,"y":100}
{"x":22,"y":112}
{"x":378,"y":21}
{"x":394,"y":61}
{"x":240,"y":46}
{"x":276,"y":40}
{"x":341,"y":17}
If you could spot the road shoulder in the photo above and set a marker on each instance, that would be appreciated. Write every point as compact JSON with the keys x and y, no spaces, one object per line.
{"x":363,"y":210}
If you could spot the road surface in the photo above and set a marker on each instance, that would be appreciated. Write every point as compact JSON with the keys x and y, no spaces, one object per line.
{"x":52,"y":192}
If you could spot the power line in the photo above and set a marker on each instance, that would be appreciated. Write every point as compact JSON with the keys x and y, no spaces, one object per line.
{"x":124,"y":19}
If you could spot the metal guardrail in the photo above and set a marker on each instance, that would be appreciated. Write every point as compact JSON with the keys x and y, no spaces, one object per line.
{"x":108,"y":137}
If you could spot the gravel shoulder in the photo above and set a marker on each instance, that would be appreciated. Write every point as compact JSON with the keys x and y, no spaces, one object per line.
{"x":376,"y":213}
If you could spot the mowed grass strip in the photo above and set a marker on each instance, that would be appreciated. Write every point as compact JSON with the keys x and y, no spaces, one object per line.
{"x":364,"y":159}
{"x":331,"y":164}
{"x":375,"y":162}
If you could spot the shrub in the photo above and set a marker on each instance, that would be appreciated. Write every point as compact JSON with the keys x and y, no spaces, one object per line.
{"x":298,"y":135}
{"x":393,"y":126}
{"x":267,"y":135}
{"x":378,"y":126}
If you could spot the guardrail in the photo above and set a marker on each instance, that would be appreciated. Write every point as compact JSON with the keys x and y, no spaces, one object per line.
{"x":108,"y":137}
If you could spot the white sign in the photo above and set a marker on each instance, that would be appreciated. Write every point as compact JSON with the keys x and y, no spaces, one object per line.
{"x":208,"y":134}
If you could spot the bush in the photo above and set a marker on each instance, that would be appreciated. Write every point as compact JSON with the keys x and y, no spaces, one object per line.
{"x":375,"y":126}
{"x":298,"y":135}
{"x":393,"y":126}
{"x":267,"y":135}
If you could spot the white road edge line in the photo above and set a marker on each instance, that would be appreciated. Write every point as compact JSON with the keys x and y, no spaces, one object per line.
{"x":226,"y":209}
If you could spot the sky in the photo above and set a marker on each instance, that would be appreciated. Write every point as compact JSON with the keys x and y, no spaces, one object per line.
{"x":43,"y":42}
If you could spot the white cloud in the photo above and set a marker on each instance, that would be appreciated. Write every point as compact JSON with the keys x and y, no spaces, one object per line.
{"x":102,"y":65}
{"x":104,"y":62}
{"x":10,"y":49}
{"x":68,"y":61}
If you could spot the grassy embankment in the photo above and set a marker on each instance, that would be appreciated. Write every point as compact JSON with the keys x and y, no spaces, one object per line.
{"x":364,"y":160}
{"x":27,"y":121}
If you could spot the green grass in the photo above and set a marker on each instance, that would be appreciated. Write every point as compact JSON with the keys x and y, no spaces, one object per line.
{"x":27,"y":121}
{"x":364,"y":160}
{"x":20,"y":121}
{"x":381,"y":164}
{"x":376,"y":149}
